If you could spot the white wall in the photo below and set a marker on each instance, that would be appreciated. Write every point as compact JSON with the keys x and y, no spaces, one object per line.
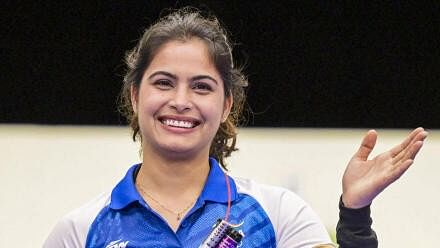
{"x":45,"y":171}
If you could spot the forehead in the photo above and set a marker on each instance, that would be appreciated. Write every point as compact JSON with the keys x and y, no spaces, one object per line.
{"x":184,"y":51}
{"x":185,"y":59}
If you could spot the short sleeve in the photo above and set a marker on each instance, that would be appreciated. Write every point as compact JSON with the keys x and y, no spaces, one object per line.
{"x":299,"y":226}
{"x":63,"y":236}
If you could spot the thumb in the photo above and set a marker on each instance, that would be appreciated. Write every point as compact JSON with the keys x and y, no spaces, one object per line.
{"x":368,"y":143}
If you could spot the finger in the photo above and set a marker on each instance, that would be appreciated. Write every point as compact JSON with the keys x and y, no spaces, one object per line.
{"x":399,"y":171}
{"x":367,"y":145}
{"x":407,"y":152}
{"x":397,"y":149}
{"x":412,"y":152}
{"x":411,"y":138}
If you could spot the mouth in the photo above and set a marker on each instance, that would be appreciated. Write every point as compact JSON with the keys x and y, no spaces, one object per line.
{"x":178,"y":122}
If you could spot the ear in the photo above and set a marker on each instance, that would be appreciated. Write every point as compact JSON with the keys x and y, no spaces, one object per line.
{"x":227,"y":107}
{"x":134,"y":98}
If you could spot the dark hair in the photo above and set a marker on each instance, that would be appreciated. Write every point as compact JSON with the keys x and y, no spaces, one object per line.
{"x":184,"y":24}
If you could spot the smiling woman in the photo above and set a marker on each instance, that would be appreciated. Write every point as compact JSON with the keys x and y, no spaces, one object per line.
{"x":180,"y":102}
{"x":215,"y":56}
{"x":183,"y":95}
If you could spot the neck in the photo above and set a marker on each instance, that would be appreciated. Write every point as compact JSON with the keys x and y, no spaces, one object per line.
{"x":172,"y":176}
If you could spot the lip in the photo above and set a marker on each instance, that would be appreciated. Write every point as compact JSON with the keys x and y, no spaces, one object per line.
{"x":196,"y":122}
{"x":180,"y":118}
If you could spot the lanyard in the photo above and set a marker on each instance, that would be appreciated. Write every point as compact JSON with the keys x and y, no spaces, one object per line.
{"x":224,"y":234}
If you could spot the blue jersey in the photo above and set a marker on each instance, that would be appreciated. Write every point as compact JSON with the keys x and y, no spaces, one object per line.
{"x":270,"y":217}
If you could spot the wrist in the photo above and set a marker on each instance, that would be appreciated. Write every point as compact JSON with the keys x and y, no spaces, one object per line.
{"x":350,"y":204}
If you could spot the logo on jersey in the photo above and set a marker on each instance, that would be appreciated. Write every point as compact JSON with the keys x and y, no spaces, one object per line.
{"x":117,"y":244}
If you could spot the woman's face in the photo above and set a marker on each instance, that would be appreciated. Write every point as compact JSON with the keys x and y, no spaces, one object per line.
{"x":180,"y":102}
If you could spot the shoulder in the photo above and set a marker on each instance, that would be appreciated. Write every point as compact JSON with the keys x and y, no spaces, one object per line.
{"x":267,"y":195}
{"x":71,"y":230}
{"x":272,"y":198}
{"x":294,"y":221}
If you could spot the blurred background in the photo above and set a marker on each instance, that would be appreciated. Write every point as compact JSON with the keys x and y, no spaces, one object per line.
{"x":320,"y":75}
{"x":309,"y":64}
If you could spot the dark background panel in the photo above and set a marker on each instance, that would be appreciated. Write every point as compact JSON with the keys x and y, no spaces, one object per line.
{"x":365,"y":64}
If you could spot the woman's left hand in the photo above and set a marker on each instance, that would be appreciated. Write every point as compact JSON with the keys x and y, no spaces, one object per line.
{"x":364,"y":179}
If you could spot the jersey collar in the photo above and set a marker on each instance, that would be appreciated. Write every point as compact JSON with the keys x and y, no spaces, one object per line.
{"x":215,"y":188}
{"x":125,"y":191}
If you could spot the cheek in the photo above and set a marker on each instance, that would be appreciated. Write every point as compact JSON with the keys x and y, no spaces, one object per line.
{"x":150,"y":103}
{"x":213,"y":110}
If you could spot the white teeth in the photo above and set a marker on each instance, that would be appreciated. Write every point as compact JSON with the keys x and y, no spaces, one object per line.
{"x":176,"y":123}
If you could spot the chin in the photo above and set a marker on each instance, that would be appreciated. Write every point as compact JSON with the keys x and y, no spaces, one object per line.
{"x":181,"y":151}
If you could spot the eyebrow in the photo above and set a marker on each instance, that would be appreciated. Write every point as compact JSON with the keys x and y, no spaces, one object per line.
{"x":204,"y":77}
{"x":198,"y":77}
{"x":163,"y":73}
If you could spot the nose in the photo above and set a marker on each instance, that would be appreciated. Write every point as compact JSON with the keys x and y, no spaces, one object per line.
{"x":181,"y":100}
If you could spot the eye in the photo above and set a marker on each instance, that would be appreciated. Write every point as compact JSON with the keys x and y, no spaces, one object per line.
{"x":163,"y":84}
{"x":202,"y":87}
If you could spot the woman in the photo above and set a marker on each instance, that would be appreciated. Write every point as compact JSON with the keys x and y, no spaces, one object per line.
{"x":183,"y":97}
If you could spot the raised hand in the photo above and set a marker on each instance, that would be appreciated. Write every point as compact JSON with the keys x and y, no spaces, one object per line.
{"x":364,"y":179}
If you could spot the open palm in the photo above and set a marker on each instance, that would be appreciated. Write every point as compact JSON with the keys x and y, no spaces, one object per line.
{"x":364,"y":179}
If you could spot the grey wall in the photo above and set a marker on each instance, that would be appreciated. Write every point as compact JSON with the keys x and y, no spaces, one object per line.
{"x":46,"y":171}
